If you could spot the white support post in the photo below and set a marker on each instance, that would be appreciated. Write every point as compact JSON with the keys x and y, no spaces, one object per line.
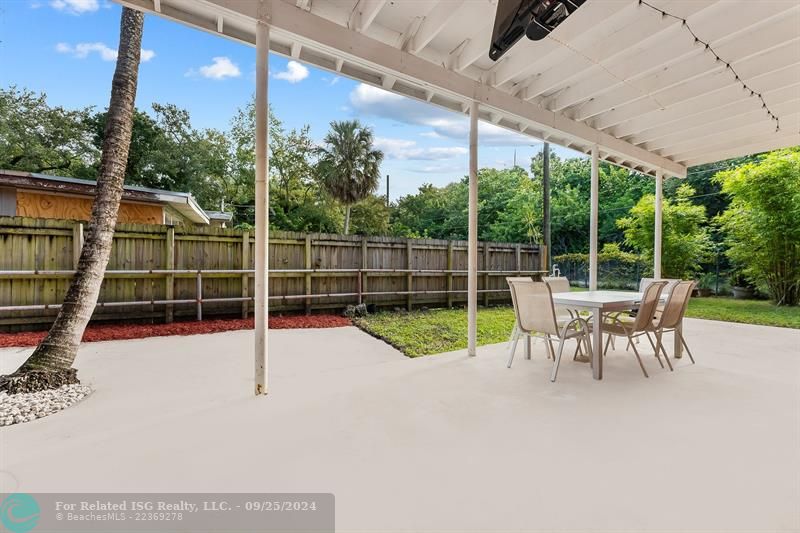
{"x":262,"y":208}
{"x":658,"y":224}
{"x":472,"y":248}
{"x":593,"y":218}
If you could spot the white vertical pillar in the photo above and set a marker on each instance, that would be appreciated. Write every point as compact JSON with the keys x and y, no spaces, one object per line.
{"x":658,"y":224}
{"x":472,"y":248}
{"x":595,"y":202}
{"x":262,"y":208}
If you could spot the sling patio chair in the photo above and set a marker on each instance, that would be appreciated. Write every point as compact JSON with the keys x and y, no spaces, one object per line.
{"x":561,"y":284}
{"x":640,"y":325}
{"x":671,"y":317}
{"x":536,"y":316}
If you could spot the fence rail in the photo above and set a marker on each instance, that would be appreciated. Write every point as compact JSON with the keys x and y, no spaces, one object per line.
{"x":158,"y":272}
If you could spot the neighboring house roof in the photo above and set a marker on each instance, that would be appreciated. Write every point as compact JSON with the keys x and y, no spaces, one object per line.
{"x":182,"y":202}
{"x":219,"y":215}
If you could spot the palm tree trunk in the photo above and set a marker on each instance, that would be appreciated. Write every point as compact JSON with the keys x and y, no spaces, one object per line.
{"x":347,"y":219}
{"x":58,"y":349}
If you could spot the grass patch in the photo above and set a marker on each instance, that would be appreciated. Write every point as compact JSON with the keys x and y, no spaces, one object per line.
{"x":439,"y":330}
{"x":760,"y":312}
{"x":421,"y":333}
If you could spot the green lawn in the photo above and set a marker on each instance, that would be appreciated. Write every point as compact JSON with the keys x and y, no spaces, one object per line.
{"x":443,"y":330}
{"x":745,"y":311}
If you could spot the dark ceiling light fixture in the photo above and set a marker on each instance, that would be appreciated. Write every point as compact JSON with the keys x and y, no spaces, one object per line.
{"x":534,"y":18}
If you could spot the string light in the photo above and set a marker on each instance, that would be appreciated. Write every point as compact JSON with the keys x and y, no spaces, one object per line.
{"x":708,"y":48}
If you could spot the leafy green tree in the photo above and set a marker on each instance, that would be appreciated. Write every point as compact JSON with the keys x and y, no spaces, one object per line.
{"x":36,"y":137}
{"x":762,"y":223}
{"x":686,"y":244}
{"x":370,"y":216}
{"x":297,"y":201}
{"x":349,"y":165}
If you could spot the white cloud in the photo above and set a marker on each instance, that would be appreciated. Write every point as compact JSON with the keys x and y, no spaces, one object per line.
{"x":369,"y":100}
{"x":294,"y":73}
{"x":106,"y":53}
{"x":219,"y":69}
{"x":406,"y":149}
{"x":76,"y":7}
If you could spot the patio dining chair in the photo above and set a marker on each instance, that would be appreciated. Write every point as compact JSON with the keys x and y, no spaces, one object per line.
{"x":536,"y":316}
{"x":561,"y":284}
{"x":671,"y":317}
{"x":642,"y":323}
{"x":643,"y":284}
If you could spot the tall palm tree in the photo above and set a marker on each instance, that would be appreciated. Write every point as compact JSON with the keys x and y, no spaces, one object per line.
{"x":51,"y":362}
{"x":349,"y":166}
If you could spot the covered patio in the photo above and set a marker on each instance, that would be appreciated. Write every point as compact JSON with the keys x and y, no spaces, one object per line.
{"x":651,"y":86}
{"x":449,"y":442}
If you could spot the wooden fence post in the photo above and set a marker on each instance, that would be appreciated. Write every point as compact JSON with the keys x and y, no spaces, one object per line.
{"x":77,"y":243}
{"x":518,"y":258}
{"x":307,"y":276}
{"x":410,"y":277}
{"x":362,"y":276}
{"x":487,"y":263}
{"x":199,"y":295}
{"x":543,"y":251}
{"x":169,"y":280}
{"x":450,"y":274}
{"x":245,"y":277}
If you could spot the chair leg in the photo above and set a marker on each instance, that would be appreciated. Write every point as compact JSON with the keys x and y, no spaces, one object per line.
{"x":557,"y":360}
{"x":513,"y":349}
{"x":678,"y":333}
{"x":628,"y":346}
{"x":513,"y":335}
{"x":608,"y":341}
{"x":636,"y":352}
{"x":551,"y":353}
{"x":658,"y":356}
{"x":588,"y":340}
{"x":577,"y":349}
{"x":663,"y":350}
{"x":527,"y":347}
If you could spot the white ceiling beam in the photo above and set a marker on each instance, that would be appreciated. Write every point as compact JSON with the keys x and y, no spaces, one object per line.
{"x":472,"y":49}
{"x":157,"y":6}
{"x":220,"y":24}
{"x":679,"y":46}
{"x":723,"y":123}
{"x":295,"y":50}
{"x":433,"y":23}
{"x":304,"y":4}
{"x":752,"y":147}
{"x":781,"y":100}
{"x":364,"y":14}
{"x":755,"y":128}
{"x":756,"y":61}
{"x":388,"y":82}
{"x":636,"y":119}
{"x":737,"y":45}
{"x":764,"y":130}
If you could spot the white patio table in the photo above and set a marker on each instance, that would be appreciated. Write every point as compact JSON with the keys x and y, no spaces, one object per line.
{"x":600,"y":302}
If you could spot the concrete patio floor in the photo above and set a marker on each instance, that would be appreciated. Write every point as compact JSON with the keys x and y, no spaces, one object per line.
{"x":437,"y":443}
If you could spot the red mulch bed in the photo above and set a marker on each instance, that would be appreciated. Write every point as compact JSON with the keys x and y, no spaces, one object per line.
{"x":113,"y":332}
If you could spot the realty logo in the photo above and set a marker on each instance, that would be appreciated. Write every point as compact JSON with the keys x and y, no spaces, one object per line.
{"x":19,"y":513}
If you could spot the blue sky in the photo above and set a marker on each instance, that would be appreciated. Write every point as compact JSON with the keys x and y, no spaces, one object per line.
{"x":66,"y":48}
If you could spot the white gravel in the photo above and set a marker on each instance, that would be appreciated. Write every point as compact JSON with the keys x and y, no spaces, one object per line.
{"x":25,"y":407}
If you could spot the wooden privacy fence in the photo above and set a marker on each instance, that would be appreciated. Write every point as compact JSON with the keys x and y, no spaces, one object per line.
{"x":162,"y":272}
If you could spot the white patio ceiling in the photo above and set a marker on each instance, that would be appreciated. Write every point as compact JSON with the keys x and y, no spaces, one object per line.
{"x":616,"y":73}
